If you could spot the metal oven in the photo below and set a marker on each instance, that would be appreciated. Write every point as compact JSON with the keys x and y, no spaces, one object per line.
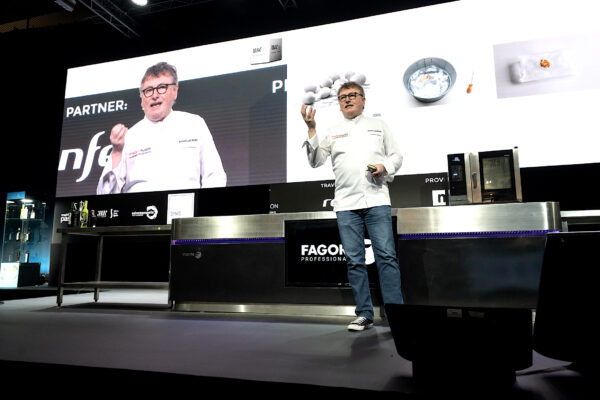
{"x":484,"y":177}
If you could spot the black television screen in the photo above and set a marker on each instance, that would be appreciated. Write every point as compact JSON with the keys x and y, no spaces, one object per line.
{"x":315,"y":257}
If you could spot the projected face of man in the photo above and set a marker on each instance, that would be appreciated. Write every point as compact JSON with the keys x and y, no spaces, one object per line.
{"x":351,"y":100}
{"x":157,"y":105}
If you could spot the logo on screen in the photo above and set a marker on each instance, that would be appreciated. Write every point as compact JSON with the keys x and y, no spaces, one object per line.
{"x":151,"y":212}
{"x":196,"y":254}
{"x":65,"y":217}
{"x":332,"y":252}
{"x":439,"y":197}
{"x":112,"y":213}
{"x":78,"y":156}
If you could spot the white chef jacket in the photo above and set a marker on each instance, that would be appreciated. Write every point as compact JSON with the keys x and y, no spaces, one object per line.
{"x":352,"y":144}
{"x":175,"y":153}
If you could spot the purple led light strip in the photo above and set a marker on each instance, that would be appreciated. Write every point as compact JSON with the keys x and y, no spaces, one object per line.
{"x":228,"y":241}
{"x":451,"y":235}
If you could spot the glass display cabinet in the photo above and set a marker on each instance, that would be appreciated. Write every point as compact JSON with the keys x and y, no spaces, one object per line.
{"x":23,"y":223}
{"x":25,"y":241}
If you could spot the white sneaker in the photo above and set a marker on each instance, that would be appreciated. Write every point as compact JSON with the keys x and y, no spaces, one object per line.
{"x":360,"y":324}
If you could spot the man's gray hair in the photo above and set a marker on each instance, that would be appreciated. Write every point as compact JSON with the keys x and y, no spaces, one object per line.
{"x":353,"y":85}
{"x":159,"y":69}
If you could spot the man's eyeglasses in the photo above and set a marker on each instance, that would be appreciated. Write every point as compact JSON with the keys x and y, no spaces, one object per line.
{"x":349,"y":96}
{"x":161,"y":89}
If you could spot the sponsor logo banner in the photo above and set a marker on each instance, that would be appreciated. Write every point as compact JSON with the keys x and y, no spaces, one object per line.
{"x":315,"y":255}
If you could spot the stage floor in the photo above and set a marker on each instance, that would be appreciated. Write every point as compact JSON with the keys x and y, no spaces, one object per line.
{"x":134,"y":335}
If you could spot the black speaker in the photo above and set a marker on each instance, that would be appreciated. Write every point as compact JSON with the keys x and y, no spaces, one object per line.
{"x":454,"y":345}
{"x":565,"y":327}
{"x":29,"y":274}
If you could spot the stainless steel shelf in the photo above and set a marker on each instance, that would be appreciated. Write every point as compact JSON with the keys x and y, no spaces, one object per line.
{"x":115,"y":285}
{"x":580,"y":217}
{"x":117,"y":230}
{"x":100,"y":233}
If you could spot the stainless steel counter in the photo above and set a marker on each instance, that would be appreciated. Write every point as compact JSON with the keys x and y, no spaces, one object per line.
{"x":501,"y":217}
{"x":195,"y":235}
{"x":240,"y":262}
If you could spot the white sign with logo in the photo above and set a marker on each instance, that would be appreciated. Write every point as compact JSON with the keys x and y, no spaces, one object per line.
{"x":438,"y":197}
{"x":9,"y":275}
{"x":181,"y":205}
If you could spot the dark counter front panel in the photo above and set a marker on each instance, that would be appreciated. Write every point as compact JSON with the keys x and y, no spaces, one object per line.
{"x":242,"y":272}
{"x":472,"y":271}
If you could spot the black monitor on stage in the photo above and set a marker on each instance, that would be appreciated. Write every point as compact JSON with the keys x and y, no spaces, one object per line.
{"x":462,"y":346}
{"x":565,"y":322}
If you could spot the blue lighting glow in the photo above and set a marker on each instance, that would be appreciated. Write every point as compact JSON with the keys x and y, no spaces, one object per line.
{"x":462,"y":235}
{"x":229,"y":241}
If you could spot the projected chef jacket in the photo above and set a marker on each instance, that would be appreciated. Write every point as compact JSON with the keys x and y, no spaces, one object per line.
{"x":176,"y":153}
{"x":352,"y":144}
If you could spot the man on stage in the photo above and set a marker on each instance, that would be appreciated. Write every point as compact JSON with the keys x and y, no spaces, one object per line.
{"x":365,"y":158}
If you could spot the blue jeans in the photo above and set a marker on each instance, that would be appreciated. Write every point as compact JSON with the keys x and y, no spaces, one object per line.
{"x":378,"y":222}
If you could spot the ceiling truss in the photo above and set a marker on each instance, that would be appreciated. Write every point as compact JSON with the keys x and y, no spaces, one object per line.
{"x":126,"y":17}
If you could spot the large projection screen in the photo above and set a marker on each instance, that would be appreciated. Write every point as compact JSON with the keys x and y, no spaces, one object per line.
{"x":250,"y":98}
